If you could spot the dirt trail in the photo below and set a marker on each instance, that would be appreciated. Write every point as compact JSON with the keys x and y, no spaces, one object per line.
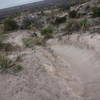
{"x":45,"y":75}
{"x":64,"y":70}
{"x":85,"y":64}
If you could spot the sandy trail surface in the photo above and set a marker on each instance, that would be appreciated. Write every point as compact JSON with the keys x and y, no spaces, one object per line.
{"x":65,"y":70}
{"x":45,"y":75}
{"x":84,"y":63}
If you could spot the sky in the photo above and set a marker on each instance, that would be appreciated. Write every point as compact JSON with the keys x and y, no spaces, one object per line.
{"x":11,"y":3}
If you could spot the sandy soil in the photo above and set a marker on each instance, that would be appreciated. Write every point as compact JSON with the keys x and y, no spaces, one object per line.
{"x":84,"y":60}
{"x":65,"y":70}
{"x":45,"y":76}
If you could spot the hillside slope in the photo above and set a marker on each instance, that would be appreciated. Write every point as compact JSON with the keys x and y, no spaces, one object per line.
{"x":52,"y":54}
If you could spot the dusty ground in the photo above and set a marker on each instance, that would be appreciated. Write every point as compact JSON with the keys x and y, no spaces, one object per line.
{"x":65,"y":70}
{"x":82,"y":54}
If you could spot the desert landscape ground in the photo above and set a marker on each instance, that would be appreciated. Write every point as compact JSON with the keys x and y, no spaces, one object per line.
{"x":52,"y":54}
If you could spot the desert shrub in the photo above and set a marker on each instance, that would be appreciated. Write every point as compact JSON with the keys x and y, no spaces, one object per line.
{"x":17,"y":68}
{"x":7,"y":64}
{"x":75,"y":26}
{"x":73,"y":14}
{"x":3,"y":37}
{"x":28,"y":42}
{"x":38,"y":41}
{"x":26,"y":23}
{"x":1,"y":28}
{"x":10,"y":24}
{"x":64,"y":7}
{"x":42,"y":12}
{"x":96,"y":12}
{"x":72,"y":26}
{"x":48,"y":31}
{"x":31,"y":27}
{"x":60,"y":20}
{"x":31,"y":42}
{"x":84,"y":24}
{"x":6,"y":47}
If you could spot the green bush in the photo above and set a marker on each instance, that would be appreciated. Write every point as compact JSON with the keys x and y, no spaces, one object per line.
{"x":75,"y":26}
{"x":10,"y":25}
{"x":73,"y":14}
{"x":7,"y":64}
{"x":6,"y":47}
{"x":48,"y":31}
{"x":72,"y":26}
{"x":26,"y":23}
{"x":64,"y":8}
{"x":96,"y":12}
{"x":84,"y":24}
{"x":30,"y":42}
{"x":60,"y":20}
{"x":3,"y":37}
{"x":17,"y":69}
